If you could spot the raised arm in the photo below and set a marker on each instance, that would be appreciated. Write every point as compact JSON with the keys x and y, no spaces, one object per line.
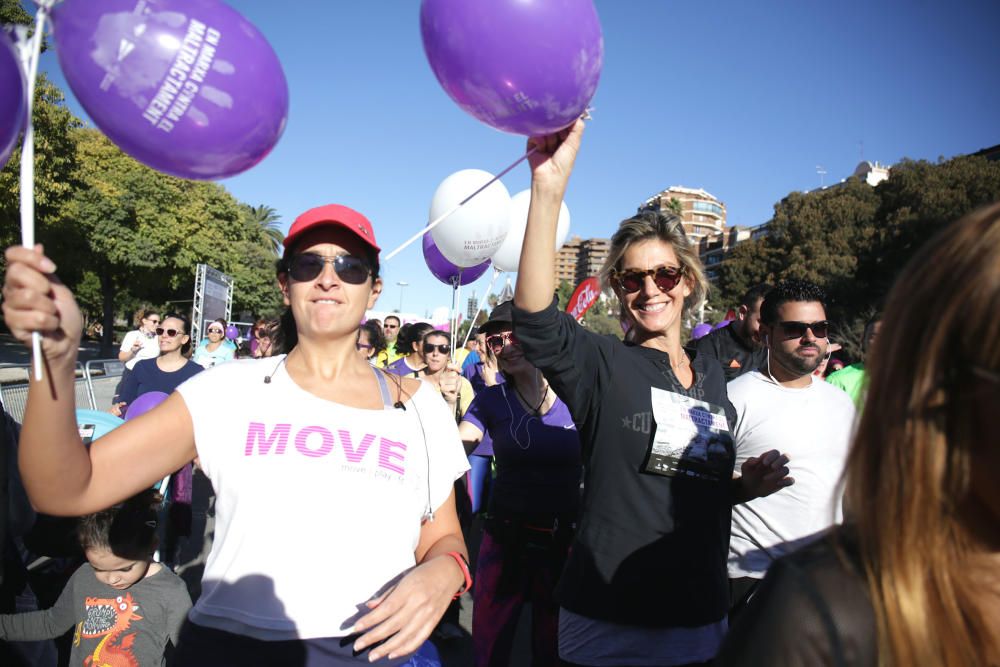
{"x":551,"y":166}
{"x":63,"y":477}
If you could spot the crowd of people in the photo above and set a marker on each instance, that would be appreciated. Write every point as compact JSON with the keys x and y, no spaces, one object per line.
{"x":656,"y":501}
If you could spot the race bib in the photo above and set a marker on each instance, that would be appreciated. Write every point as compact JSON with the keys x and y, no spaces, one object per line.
{"x":691,"y":438}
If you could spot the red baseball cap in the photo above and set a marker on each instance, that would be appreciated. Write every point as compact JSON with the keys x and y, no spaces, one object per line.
{"x":336,"y":216}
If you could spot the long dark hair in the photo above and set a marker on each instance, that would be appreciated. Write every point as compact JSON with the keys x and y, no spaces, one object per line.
{"x":128,"y":529}
{"x":286,"y":334}
{"x":376,"y":338}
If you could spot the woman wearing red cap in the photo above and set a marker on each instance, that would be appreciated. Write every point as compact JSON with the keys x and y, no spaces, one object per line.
{"x":336,"y":538}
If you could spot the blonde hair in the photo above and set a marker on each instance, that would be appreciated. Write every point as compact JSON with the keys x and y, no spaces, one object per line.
{"x":665,"y":227}
{"x":908,"y":475}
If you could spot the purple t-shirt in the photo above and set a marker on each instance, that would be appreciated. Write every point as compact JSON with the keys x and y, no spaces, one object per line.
{"x":400,"y":367}
{"x":474,"y":374}
{"x":538,"y":461}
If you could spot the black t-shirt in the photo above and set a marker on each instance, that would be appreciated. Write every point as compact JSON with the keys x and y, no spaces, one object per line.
{"x":813,"y":608}
{"x":650,"y":549}
{"x":735,"y":357}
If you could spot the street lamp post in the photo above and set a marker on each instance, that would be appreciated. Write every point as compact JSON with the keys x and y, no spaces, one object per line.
{"x":402,"y":284}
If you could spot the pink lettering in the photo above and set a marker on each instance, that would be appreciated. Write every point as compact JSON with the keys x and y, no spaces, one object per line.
{"x":256,"y":432}
{"x":387,"y":453}
{"x":302,"y":437}
{"x":355,"y":455}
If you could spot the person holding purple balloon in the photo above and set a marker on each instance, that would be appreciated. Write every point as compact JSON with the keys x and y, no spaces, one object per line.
{"x":645,"y":581}
{"x":163,"y":375}
{"x":323,"y":459}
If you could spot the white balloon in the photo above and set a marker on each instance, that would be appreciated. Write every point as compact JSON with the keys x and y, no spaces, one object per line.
{"x":470,"y":235}
{"x":508,"y":255}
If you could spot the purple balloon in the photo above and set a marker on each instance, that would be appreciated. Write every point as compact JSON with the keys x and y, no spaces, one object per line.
{"x":700,"y":330}
{"x":723,"y":323}
{"x":13,"y":101}
{"x":232,"y":332}
{"x":144,"y":403}
{"x":447,"y":272}
{"x":188,"y":87}
{"x":523,"y":67}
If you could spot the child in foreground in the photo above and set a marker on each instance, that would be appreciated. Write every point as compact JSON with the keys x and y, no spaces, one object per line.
{"x":124,"y":606}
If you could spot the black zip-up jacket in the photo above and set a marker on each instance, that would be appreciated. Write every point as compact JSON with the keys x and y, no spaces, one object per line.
{"x":650,"y":549}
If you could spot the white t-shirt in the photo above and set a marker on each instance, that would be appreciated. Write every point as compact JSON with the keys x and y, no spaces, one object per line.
{"x":813,"y":426}
{"x":318,"y":505}
{"x":150,"y":347}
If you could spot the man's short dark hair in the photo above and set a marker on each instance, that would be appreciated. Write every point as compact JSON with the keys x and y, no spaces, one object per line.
{"x":391,"y":317}
{"x":755,"y":294}
{"x":789,"y":291}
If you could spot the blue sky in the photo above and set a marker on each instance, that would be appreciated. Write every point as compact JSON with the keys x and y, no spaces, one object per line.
{"x":742,"y":99}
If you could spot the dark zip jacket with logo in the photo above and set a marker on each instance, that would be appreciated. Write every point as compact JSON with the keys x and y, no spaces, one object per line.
{"x":651,"y":548}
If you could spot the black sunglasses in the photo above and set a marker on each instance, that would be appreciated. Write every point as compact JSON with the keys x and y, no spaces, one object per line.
{"x":170,"y":332}
{"x":499,"y":341}
{"x":443,"y":349}
{"x":218,"y":331}
{"x":798,"y":329}
{"x":665,"y":278}
{"x":352,"y":270}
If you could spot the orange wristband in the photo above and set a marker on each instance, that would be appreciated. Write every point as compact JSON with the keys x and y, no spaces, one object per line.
{"x":463,"y":564}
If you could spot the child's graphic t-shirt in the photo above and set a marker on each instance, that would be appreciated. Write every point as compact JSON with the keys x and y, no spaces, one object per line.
{"x":111,"y":626}
{"x":318,"y":505}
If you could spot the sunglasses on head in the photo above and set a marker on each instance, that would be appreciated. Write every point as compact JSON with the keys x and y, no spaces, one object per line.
{"x":664,"y":277}
{"x":169,"y":332}
{"x":798,"y":329}
{"x":364,"y":346}
{"x":444,"y":348}
{"x":499,"y":341}
{"x":307,"y":266}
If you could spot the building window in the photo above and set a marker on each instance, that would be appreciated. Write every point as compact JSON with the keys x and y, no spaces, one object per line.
{"x":708,"y":207}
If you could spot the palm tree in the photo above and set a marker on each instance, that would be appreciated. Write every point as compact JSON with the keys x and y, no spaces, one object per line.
{"x":268,"y":223}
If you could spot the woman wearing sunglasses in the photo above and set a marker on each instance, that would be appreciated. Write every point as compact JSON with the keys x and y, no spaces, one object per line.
{"x":911,"y":576}
{"x":138,"y":344}
{"x":164,"y":373}
{"x":645,"y":582}
{"x":323,"y":460}
{"x":260,"y":338}
{"x":457,"y":392}
{"x":411,"y":338}
{"x":533,"y":505}
{"x":214,"y":349}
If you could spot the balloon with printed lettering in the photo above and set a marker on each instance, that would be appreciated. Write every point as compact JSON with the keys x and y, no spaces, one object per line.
{"x":13,"y":101}
{"x":470,"y":235}
{"x":188,"y":87}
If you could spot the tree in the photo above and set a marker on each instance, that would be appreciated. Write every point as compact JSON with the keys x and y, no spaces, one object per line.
{"x":674,"y":206}
{"x":268,"y":224}
{"x":853,"y":239}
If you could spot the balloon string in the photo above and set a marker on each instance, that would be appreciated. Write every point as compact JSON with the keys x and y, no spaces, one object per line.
{"x":30,"y":61}
{"x":437,"y":221}
{"x":489,"y":290}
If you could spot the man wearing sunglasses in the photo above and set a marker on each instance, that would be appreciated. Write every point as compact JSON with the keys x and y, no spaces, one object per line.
{"x":738,"y":346}
{"x":782,"y":405}
{"x":390,"y":354}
